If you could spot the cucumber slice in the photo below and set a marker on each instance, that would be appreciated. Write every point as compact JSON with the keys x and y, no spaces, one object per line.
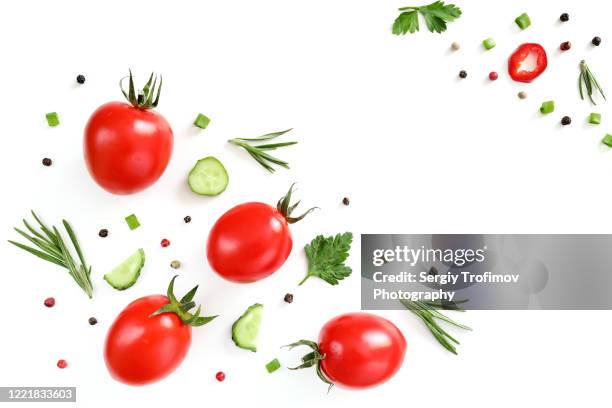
{"x":126,"y":274}
{"x":246,"y":329}
{"x":208,"y":177}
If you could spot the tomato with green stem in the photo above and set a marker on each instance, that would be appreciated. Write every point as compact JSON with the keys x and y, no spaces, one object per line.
{"x":150,"y":338}
{"x":355,"y":350}
{"x":252,"y":240}
{"x":127,"y":146}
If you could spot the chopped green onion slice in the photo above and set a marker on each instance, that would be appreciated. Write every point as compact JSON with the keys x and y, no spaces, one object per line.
{"x":52,"y":119}
{"x":273,"y":365}
{"x":201,"y":121}
{"x":607,"y":140}
{"x":489,"y":43}
{"x":547,"y":107}
{"x":132,"y":221}
{"x":595,"y":118}
{"x":523,"y":21}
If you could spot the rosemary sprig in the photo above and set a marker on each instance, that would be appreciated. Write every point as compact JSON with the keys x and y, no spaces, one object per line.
{"x":52,"y":248}
{"x":588,"y":81}
{"x":428,"y":313}
{"x":258,"y":152}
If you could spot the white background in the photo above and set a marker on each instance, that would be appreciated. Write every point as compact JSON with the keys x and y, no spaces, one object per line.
{"x":381,"y":119}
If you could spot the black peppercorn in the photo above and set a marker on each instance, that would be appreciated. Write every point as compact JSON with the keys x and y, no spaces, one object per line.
{"x":433,"y":271}
{"x":103,"y":233}
{"x":462,"y":74}
{"x":564,"y":17}
{"x":46,"y":161}
{"x":187,"y":219}
{"x":566,"y":120}
{"x":596,"y":41}
{"x":288,"y":298}
{"x":80,"y":79}
{"x":346,"y":201}
{"x":565,"y":46}
{"x":93,"y":321}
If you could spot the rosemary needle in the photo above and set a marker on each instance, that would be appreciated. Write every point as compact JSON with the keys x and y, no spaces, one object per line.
{"x":427,"y":312}
{"x":52,"y":248}
{"x":259,"y":151}
{"x":588,"y":81}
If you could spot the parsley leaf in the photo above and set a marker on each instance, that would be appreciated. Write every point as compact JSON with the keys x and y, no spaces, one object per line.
{"x":434,"y":23}
{"x":436,"y":15}
{"x":448,"y":12}
{"x":326,"y":256}
{"x":408,"y":21}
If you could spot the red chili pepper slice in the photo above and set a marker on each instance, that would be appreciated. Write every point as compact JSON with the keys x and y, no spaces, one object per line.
{"x":520,"y":55}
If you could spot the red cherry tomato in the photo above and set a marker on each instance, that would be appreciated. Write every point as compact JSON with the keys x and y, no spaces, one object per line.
{"x":251,"y":241}
{"x":145,"y":344}
{"x":127,"y":148}
{"x":520,"y":55}
{"x":140,"y":349}
{"x":361,"y":350}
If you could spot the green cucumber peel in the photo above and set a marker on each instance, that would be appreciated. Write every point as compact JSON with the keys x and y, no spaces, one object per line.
{"x":245,"y":329}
